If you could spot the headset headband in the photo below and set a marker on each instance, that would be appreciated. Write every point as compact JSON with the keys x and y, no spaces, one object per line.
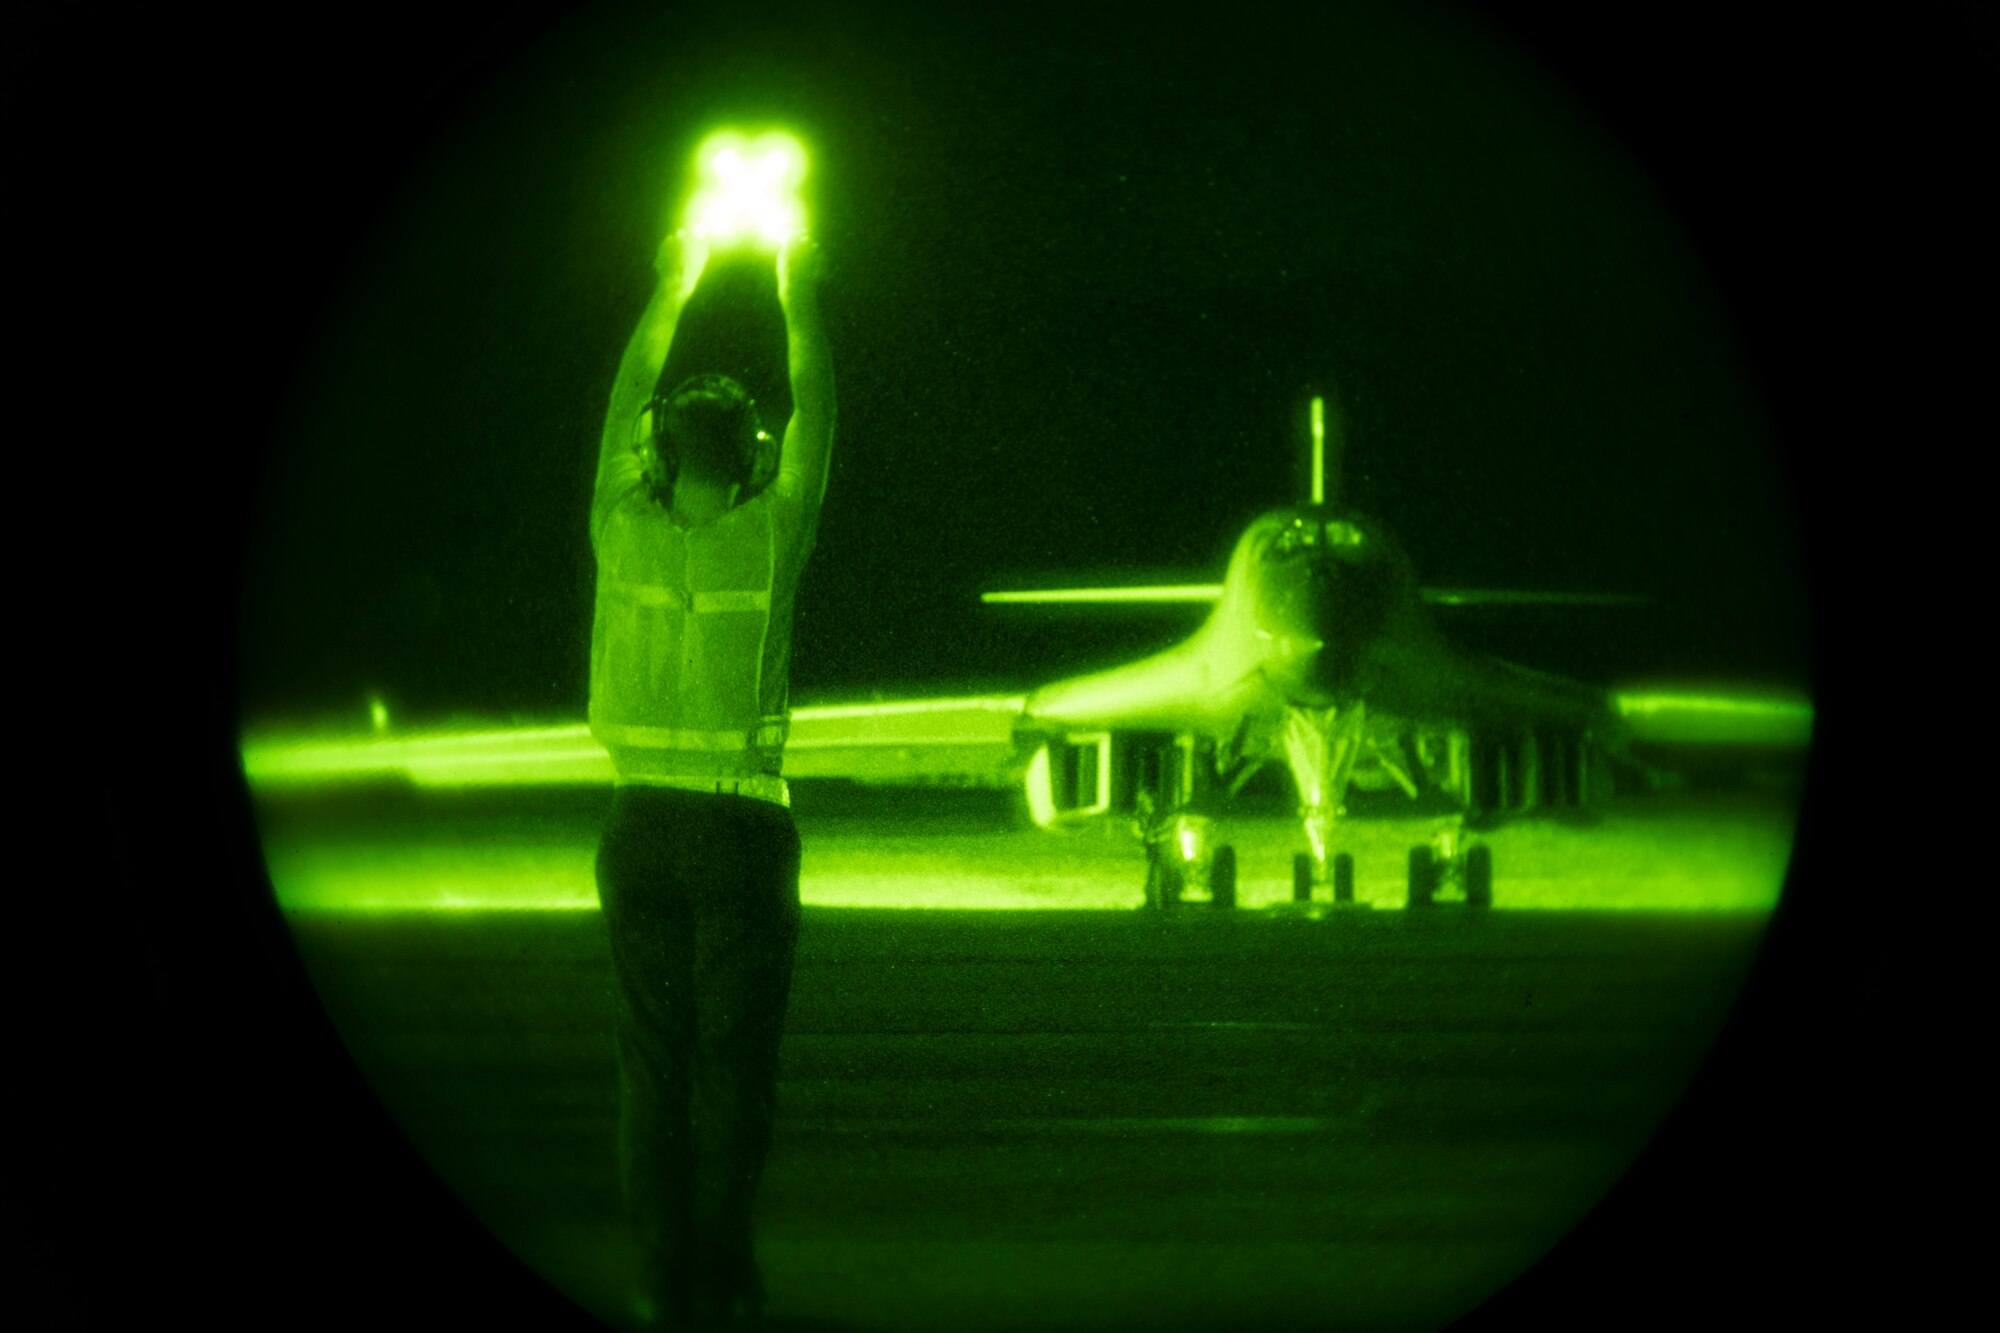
{"x":753,"y":473}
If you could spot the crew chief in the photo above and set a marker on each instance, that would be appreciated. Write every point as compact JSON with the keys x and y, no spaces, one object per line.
{"x":701,"y":524}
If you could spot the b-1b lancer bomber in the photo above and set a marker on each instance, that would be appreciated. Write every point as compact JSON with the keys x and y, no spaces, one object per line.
{"x":1319,"y":651}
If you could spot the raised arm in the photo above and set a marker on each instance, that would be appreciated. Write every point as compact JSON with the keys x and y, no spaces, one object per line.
{"x":679,"y":264}
{"x":809,"y":436}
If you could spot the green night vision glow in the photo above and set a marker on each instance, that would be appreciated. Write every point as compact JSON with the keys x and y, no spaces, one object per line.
{"x":1710,"y":863}
{"x":748,"y":189}
{"x":567,"y":754}
{"x":1694,"y":717}
{"x":1699,"y":862}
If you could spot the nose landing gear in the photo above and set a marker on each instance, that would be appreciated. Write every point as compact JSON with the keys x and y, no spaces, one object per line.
{"x":1339,"y":873}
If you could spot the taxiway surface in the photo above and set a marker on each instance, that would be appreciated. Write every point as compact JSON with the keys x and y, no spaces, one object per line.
{"x":1069,"y":1114}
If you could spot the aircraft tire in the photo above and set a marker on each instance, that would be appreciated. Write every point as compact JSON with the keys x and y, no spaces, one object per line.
{"x":1479,"y":876}
{"x":1343,"y":878}
{"x":1302,"y":877}
{"x":1423,"y":876}
{"x":1222,"y":877}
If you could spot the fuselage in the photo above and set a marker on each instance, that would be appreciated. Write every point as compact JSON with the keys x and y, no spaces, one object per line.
{"x":1319,"y":608}
{"x":1308,"y":593}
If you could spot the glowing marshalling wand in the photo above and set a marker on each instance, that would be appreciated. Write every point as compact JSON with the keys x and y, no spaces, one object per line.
{"x":748,"y":190}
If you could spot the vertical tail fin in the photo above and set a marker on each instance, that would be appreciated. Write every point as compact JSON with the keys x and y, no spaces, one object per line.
{"x":1319,"y":449}
{"x":1328,"y":448}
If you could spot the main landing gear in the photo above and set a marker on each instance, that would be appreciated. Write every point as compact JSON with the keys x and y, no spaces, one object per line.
{"x":1445,"y":863}
{"x":1438,"y":869}
{"x":1184,"y":865}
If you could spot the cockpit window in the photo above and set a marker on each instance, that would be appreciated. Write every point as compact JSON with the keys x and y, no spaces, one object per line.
{"x":1294,"y":538}
{"x":1302,"y":534}
{"x":1341,"y":534}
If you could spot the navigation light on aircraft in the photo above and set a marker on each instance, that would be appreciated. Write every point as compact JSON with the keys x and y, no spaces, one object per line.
{"x":748,"y":190}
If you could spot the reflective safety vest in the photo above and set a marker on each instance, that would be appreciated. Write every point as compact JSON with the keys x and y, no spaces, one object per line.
{"x":690,"y":648}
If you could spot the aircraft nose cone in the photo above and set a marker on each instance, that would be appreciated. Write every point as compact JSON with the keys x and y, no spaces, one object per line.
{"x":1323,"y":597}
{"x":1348,"y":608}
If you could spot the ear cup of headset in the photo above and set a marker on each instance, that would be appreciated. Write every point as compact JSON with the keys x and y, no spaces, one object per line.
{"x":658,"y":463}
{"x":660,"y":460}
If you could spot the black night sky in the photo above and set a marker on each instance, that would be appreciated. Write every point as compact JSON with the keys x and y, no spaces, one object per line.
{"x":1083,"y":274}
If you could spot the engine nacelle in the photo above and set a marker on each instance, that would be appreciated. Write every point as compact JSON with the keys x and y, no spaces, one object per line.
{"x":1069,"y":779}
{"x":1523,"y":771}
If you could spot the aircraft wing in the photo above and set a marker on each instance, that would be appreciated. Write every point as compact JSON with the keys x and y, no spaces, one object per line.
{"x":954,"y":742}
{"x":1182,"y":594}
{"x":1430,"y":681}
{"x":1435,"y":682}
{"x":962,"y":742}
{"x":1681,"y":716}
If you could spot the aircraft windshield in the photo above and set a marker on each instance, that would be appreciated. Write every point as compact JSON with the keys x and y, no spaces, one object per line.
{"x":1303,"y":535}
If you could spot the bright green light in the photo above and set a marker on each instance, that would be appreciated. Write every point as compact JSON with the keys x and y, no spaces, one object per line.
{"x":747,"y":189}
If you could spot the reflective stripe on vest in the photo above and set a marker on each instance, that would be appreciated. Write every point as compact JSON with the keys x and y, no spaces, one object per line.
{"x":709,"y":603}
{"x":768,"y":735}
{"x":678,"y":680}
{"x":705,"y":603}
{"x":756,"y":787}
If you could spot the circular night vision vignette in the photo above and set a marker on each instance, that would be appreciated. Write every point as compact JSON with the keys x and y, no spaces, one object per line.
{"x":380,"y":725}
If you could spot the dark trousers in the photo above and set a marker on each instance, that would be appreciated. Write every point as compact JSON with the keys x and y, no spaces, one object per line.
{"x":701,"y":897}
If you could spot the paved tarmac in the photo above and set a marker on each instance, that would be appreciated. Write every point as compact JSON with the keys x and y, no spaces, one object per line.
{"x":1032,"y":1117}
{"x":1080,"y":1119}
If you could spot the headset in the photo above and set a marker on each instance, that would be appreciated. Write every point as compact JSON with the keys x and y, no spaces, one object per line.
{"x":659,"y":457}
